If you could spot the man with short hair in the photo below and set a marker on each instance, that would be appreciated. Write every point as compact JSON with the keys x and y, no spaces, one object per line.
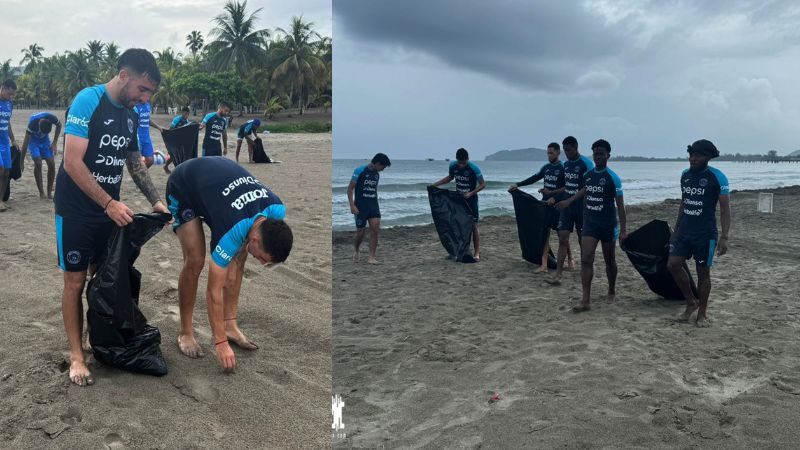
{"x":553,"y":190}
{"x":101,"y":137}
{"x":37,"y":140}
{"x":145,"y":121}
{"x":575,"y":166}
{"x":469,"y":181}
{"x":702,"y":186}
{"x":248,"y":131}
{"x":181,"y":119}
{"x":7,"y":91}
{"x":603,"y":202}
{"x":215,"y":125}
{"x":362,"y":193}
{"x":244,"y":217}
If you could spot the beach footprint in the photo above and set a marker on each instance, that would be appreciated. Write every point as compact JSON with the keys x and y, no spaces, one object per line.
{"x":113,"y":441}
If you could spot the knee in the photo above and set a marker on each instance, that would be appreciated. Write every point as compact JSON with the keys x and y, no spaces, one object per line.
{"x":587,"y":261}
{"x":674,"y":266}
{"x":73,"y":285}
{"x":37,"y":163}
{"x":193,"y":265}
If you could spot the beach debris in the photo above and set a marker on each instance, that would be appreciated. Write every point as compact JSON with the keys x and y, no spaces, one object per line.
{"x":52,"y":426}
{"x":494,"y":398}
{"x":653,"y":409}
{"x":540,"y":425}
{"x":624,"y":395}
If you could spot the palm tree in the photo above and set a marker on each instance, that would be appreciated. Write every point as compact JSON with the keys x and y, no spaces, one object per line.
{"x":194,"y":41}
{"x":78,"y":72}
{"x":298,"y":56}
{"x":95,"y":51}
{"x":167,"y":95}
{"x":109,"y":64}
{"x":6,"y":71}
{"x":31,"y":56}
{"x":167,"y":59}
{"x":273,"y":106}
{"x":238,"y":44}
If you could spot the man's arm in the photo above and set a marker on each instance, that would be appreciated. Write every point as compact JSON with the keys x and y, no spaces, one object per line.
{"x":444,"y":180}
{"x":725,"y":218}
{"x":54,"y":144}
{"x":350,"y":188}
{"x":680,"y":216}
{"x":217,"y":277}
{"x":142,"y":179}
{"x":11,"y":134}
{"x":480,"y":187}
{"x":74,"y":152}
{"x":157,"y":126}
{"x":225,"y":141}
{"x":565,"y":203}
{"x":24,"y":148}
{"x":622,"y":218}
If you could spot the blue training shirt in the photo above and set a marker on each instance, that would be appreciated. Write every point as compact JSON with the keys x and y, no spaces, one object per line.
{"x":228,"y":198}
{"x":33,"y":125}
{"x":178,"y":122}
{"x":466,"y":178}
{"x":215,"y":126}
{"x":6,"y":109}
{"x":700,"y":192}
{"x":111,"y":130}
{"x":366,"y":179}
{"x":144,"y":110}
{"x":602,"y":189}
{"x":553,"y":176}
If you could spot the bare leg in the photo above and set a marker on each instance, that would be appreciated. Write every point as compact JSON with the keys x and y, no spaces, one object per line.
{"x":193,"y":242}
{"x":230,"y":297}
{"x":51,"y":176}
{"x":570,"y":259}
{"x":249,"y":152}
{"x":545,"y":253}
{"x":704,"y":289}
{"x":4,"y":176}
{"x":588,"y":248}
{"x":37,"y":175}
{"x":72,"y":312}
{"x":476,"y":241}
{"x":611,"y":268}
{"x":374,"y":230}
{"x":675,"y":267}
{"x":359,"y":238}
{"x":563,"y":247}
{"x":238,"y":148}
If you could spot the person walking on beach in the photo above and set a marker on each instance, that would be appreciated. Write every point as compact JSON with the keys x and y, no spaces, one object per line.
{"x":603,"y":203}
{"x":362,"y":193}
{"x":469,"y":181}
{"x":7,"y":91}
{"x":181,"y":119}
{"x":145,"y":144}
{"x":248,"y":131}
{"x":244,"y":217}
{"x":101,"y":137}
{"x":702,"y":186}
{"x":37,"y":140}
{"x":575,"y":166}
{"x":215,"y":125}
{"x":553,"y":175}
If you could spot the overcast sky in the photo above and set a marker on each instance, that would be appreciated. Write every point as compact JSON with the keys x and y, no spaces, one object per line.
{"x":60,"y":25}
{"x":420,"y":78}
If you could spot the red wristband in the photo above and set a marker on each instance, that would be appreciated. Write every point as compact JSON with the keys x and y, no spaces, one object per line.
{"x":220,"y":342}
{"x":105,"y":208}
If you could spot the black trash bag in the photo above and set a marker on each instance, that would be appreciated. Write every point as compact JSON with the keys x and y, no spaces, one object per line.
{"x":259,"y":155}
{"x":119,"y":333}
{"x":533,"y":220}
{"x":648,"y":250}
{"x":181,"y":142}
{"x":16,"y":171}
{"x":452,"y":217}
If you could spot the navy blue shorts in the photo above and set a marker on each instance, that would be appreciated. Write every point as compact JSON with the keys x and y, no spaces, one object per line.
{"x":79,"y":243}
{"x":701,"y":248}
{"x":180,"y":207}
{"x":366,"y":212}
{"x":212,"y":151}
{"x":571,"y":217}
{"x":601,"y":232}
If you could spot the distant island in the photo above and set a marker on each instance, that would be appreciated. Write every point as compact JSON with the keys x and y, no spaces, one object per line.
{"x":522,"y":154}
{"x":537,"y":154}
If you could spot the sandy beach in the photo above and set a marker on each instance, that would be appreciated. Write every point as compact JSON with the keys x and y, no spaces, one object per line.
{"x":280,"y":394}
{"x":421,"y":344}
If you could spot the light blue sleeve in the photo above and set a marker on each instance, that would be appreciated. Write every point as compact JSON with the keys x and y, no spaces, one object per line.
{"x":617,"y":182}
{"x":231,"y":242}
{"x":176,"y":121}
{"x":589,"y":163}
{"x":276,"y":211}
{"x":208,"y":116}
{"x":81,"y":110}
{"x":724,"y":188}
{"x":477,"y":171}
{"x":357,"y":173}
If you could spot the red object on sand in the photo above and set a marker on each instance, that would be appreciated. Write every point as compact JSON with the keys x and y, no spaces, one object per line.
{"x":495,"y":397}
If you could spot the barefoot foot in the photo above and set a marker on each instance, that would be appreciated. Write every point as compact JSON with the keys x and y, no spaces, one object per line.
{"x":188,"y":346}
{"x":372,"y":260}
{"x":702,"y":322}
{"x":583,"y":307}
{"x":355,"y":257}
{"x":687,"y":313}
{"x":555,"y":281}
{"x":79,"y":374}
{"x":541,"y":269}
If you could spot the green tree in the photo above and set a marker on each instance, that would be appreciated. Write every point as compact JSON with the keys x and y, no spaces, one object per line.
{"x":298,"y":56}
{"x":6,"y":71}
{"x":79,"y":72}
{"x":95,"y":51}
{"x":31,"y":56}
{"x":194,"y":41}
{"x":167,"y":94}
{"x":167,"y":59}
{"x":237,"y":44}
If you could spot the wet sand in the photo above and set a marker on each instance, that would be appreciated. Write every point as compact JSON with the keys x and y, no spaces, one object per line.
{"x":280,"y":394}
{"x":421,"y":344}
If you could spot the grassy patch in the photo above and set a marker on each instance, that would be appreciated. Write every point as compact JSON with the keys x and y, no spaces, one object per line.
{"x":299,"y":127}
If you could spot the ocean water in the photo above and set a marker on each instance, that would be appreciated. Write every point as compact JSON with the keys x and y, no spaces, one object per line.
{"x":404,"y":199}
